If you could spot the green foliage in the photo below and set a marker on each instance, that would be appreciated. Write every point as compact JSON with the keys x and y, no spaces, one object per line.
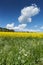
{"x":6,"y":30}
{"x":21,"y":51}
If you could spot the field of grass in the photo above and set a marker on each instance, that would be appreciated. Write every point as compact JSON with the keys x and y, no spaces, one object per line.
{"x":21,"y":48}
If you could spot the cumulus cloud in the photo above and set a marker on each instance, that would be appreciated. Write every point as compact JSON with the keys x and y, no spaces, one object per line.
{"x":28,"y":12}
{"x":20,"y":27}
{"x":26,"y":16}
{"x":10,"y":26}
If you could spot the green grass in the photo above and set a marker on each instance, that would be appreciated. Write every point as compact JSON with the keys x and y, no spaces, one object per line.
{"x":21,"y":51}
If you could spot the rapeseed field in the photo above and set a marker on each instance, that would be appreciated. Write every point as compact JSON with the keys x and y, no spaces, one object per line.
{"x":21,"y":34}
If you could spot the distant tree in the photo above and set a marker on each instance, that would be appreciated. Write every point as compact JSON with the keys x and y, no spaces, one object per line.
{"x":6,"y":30}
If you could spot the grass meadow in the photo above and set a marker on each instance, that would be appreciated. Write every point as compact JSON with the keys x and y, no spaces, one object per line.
{"x":21,"y":49}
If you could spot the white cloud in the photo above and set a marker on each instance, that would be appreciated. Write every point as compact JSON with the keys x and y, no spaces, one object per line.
{"x":28,"y":12}
{"x":31,"y":30}
{"x":20,"y":27}
{"x":10,"y":26}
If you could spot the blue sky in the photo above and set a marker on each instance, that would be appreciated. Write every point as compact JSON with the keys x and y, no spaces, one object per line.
{"x":11,"y":16}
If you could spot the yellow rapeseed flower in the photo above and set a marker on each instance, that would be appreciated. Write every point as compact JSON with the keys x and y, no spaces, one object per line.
{"x":21,"y":34}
